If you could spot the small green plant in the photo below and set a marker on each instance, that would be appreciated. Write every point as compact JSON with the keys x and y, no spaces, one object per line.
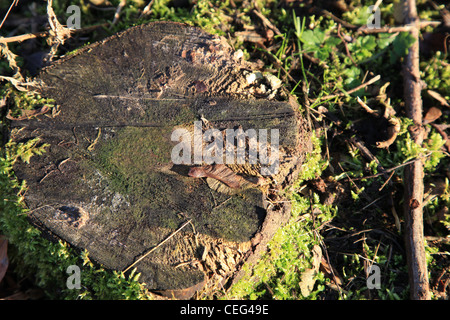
{"x":317,"y":42}
{"x":23,"y":100}
{"x":436,"y":74}
{"x":392,"y":274}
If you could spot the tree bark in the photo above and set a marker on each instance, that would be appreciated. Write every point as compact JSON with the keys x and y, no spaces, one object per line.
{"x":413,"y":181}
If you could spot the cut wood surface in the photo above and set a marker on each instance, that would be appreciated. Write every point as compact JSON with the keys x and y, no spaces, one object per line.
{"x":107,"y":182}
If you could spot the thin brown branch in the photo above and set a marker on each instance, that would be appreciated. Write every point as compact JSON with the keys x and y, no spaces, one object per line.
{"x":385,"y":171}
{"x":345,"y":44}
{"x":319,"y":62}
{"x":361,"y":86}
{"x":336,"y":19}
{"x":414,"y":173}
{"x":389,"y":29}
{"x":24,"y":37}
{"x":266,"y":22}
{"x":376,"y":5}
{"x":14,"y":3}
{"x":121,"y":5}
{"x":43,"y":34}
{"x":147,"y":9}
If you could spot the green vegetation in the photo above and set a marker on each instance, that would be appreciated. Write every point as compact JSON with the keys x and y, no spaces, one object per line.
{"x":319,"y":61}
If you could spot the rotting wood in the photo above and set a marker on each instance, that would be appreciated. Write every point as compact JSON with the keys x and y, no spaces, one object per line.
{"x":121,"y":194}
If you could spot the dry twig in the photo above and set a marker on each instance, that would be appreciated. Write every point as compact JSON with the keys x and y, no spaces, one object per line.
{"x":43,"y":34}
{"x":147,"y":9}
{"x":118,"y":11}
{"x":389,"y":29}
{"x":14,"y":3}
{"x":361,"y":86}
{"x":266,"y":22}
{"x":413,"y":181}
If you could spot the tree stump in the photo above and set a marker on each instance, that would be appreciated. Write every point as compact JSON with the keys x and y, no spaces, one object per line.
{"x":108,"y":183}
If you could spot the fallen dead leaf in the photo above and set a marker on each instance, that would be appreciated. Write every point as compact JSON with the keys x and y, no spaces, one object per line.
{"x":307,"y":279}
{"x":329,"y":272}
{"x":393,"y":127}
{"x":438,"y":97}
{"x":219,"y":172}
{"x":392,"y":130}
{"x":432,"y":115}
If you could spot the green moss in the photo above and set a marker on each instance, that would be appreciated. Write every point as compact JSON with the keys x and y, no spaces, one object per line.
{"x":136,"y":150}
{"x":130,"y":162}
{"x":278,"y":273}
{"x":130,"y":158}
{"x":20,"y":100}
{"x":436,"y":74}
